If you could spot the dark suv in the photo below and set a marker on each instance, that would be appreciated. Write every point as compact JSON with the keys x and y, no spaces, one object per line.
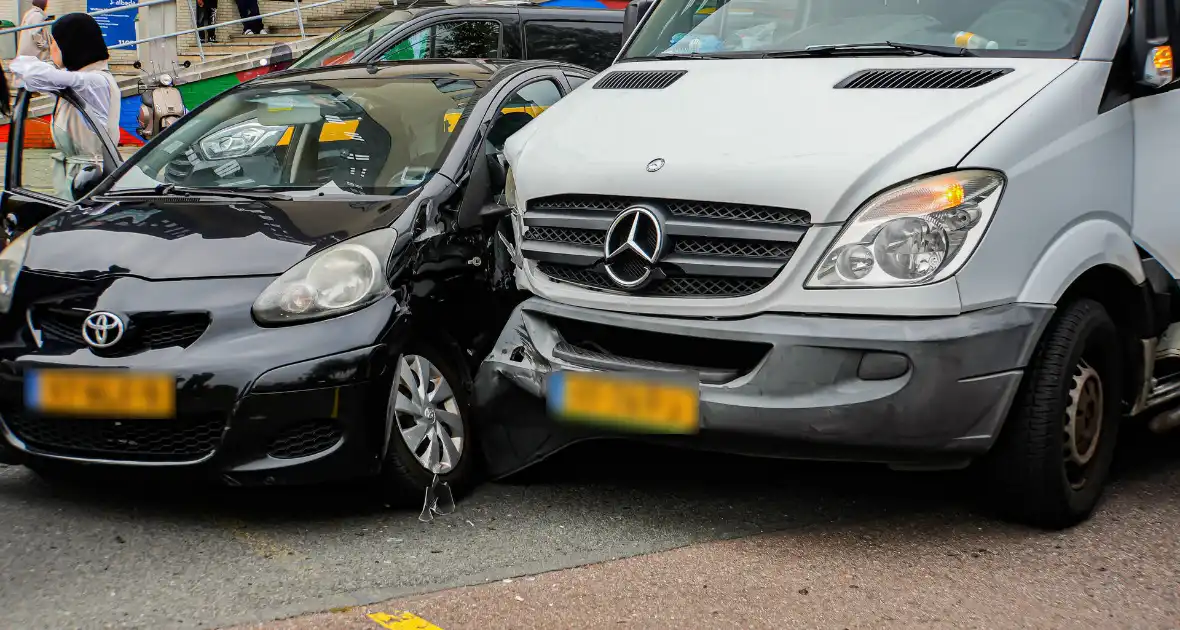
{"x":586,"y":37}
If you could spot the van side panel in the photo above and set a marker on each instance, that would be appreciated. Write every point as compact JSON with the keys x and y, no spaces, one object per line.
{"x":1067,"y":206}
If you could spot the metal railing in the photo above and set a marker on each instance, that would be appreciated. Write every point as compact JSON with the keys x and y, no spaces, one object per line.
{"x":297,"y":10}
{"x":16,"y":29}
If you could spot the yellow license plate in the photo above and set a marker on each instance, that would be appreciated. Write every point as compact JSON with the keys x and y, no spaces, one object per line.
{"x":627,"y":402}
{"x":107,"y":394}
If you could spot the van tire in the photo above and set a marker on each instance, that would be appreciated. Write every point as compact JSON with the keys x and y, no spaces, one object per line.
{"x":403,"y":479}
{"x":1074,"y":373}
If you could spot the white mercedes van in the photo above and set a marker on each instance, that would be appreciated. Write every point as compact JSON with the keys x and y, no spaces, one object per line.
{"x":925,"y":233}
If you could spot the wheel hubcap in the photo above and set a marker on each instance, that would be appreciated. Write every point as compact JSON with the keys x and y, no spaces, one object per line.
{"x":427,"y":414}
{"x":1083,"y":423}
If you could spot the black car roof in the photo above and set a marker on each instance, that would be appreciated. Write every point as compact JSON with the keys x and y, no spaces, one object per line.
{"x":529,"y":10}
{"x":471,"y":69}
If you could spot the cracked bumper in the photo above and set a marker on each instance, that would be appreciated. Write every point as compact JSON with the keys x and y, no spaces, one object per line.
{"x":901,"y":391}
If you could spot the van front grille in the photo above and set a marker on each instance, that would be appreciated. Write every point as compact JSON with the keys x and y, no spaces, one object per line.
{"x":714,"y":250}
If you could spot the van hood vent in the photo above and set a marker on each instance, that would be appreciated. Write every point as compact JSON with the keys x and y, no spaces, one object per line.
{"x":639,"y":79}
{"x":922,"y":79}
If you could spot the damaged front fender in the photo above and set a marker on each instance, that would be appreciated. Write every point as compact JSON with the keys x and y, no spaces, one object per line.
{"x":511,"y":417}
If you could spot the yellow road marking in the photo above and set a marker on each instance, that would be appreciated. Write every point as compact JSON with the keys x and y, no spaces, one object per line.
{"x":402,"y":620}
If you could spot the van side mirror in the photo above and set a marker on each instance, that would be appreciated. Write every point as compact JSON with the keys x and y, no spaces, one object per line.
{"x":1151,"y":42}
{"x":633,"y":15}
{"x":86,"y":180}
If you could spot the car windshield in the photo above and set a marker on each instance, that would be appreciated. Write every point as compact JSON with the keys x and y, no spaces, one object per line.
{"x":1040,"y":28}
{"x":348,"y":42}
{"x":371,"y":136}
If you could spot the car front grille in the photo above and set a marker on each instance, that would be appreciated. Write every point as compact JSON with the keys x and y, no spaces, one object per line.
{"x":147,"y":331}
{"x":185,"y":439}
{"x":306,"y":438}
{"x":715,"y":249}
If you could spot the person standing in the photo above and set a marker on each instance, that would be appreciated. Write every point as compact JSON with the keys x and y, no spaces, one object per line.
{"x":248,"y":9}
{"x":207,"y":16}
{"x":33,"y":42}
{"x":80,"y":54}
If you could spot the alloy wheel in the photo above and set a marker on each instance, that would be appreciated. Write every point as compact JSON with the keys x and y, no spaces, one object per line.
{"x":428,"y":414}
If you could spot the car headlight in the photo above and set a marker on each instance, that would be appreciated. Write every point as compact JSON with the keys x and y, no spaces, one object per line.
{"x":340,"y":279}
{"x":12,"y":259}
{"x":240,"y":140}
{"x":917,"y":233}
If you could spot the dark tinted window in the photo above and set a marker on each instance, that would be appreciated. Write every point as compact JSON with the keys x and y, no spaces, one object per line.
{"x":590,"y":44}
{"x":467,"y":39}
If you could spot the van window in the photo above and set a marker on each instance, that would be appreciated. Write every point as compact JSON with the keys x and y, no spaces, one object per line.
{"x":590,"y":44}
{"x":1037,"y":28}
{"x":450,"y":39}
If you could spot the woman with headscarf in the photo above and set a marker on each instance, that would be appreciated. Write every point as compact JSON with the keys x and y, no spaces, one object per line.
{"x":77,"y":48}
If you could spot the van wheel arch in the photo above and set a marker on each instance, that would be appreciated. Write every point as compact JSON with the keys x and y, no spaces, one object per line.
{"x":1134,"y":310}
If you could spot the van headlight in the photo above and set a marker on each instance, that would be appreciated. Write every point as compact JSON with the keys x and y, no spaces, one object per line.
{"x":917,"y":233}
{"x":12,"y":259}
{"x":345,"y":277}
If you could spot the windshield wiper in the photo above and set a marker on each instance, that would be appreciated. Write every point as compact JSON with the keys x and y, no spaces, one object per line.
{"x":195,"y":191}
{"x":680,"y":56}
{"x":876,"y":47}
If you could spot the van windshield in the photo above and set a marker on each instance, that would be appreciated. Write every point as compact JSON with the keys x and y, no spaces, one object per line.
{"x":741,"y":28}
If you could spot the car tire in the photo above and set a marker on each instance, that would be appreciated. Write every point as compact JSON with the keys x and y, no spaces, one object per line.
{"x":1053,"y":456}
{"x":404,"y":475}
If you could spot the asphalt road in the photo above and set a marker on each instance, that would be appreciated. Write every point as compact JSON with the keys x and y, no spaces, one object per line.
{"x":121,"y":555}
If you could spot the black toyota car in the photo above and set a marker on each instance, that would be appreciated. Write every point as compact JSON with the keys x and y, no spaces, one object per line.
{"x":291,"y":284}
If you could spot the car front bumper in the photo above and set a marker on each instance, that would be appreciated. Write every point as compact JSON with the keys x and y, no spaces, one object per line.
{"x":255,"y":405}
{"x":909,"y":392}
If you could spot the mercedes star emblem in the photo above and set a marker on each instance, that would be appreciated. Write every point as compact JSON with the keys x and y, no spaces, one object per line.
{"x":634,"y":242}
{"x":101,"y":329}
{"x":655,"y":165}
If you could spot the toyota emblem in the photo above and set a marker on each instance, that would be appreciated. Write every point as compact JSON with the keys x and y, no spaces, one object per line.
{"x":634,"y":243}
{"x":101,"y":329}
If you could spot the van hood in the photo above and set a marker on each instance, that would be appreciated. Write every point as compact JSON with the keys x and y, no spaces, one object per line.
{"x":772,"y":132}
{"x":161,"y":239}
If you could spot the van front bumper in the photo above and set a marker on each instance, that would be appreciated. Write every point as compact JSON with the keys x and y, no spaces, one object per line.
{"x":908,"y":392}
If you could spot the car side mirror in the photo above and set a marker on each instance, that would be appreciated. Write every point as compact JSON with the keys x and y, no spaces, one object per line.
{"x":1151,"y":43}
{"x":488,"y":178}
{"x":86,"y":180}
{"x":633,"y":15}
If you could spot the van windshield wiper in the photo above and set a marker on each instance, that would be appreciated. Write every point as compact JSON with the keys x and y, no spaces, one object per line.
{"x":195,"y":191}
{"x":876,"y":47}
{"x":680,"y":56}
